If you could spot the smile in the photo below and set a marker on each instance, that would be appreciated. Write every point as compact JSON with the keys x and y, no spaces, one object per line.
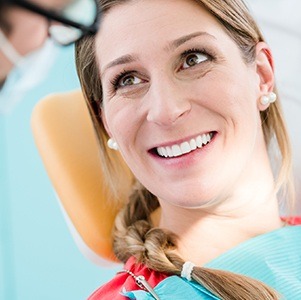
{"x":186,"y":147}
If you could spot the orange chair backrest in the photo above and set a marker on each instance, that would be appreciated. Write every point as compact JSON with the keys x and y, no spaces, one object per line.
{"x":66,"y":141}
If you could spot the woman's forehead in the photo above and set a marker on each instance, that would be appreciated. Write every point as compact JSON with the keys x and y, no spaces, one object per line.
{"x":129,"y":17}
{"x":136,"y":24}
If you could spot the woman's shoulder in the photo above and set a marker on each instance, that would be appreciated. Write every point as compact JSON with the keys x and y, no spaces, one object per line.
{"x":124,"y":281}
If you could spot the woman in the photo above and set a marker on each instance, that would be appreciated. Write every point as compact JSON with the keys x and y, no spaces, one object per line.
{"x":184,"y":90}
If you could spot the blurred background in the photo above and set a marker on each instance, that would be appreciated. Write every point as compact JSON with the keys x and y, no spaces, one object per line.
{"x":38,"y":257}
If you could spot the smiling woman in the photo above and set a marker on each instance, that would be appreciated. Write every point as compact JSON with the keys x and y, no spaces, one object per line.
{"x":185,"y":91}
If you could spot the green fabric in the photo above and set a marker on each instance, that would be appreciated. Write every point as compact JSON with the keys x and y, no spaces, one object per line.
{"x":273,"y":258}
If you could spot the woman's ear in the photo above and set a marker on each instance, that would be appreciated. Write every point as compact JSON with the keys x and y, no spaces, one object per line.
{"x":112,"y":144}
{"x":265,"y":71}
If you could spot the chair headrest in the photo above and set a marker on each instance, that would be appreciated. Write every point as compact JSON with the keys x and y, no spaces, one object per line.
{"x":66,"y":141}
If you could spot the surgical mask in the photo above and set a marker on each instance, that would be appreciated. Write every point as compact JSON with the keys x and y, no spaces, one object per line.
{"x":27,"y":73}
{"x":8,"y":49}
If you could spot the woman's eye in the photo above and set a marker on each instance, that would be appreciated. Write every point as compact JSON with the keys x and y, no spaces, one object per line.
{"x":129,"y":80}
{"x":193,"y":59}
{"x":126,"y":79}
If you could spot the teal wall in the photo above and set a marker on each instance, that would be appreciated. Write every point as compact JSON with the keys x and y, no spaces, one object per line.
{"x":38,"y":257}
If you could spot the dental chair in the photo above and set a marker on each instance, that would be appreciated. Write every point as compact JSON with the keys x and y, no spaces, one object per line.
{"x":66,"y":141}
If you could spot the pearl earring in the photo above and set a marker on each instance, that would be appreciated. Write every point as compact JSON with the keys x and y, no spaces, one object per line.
{"x":112,"y":144}
{"x":267,"y":99}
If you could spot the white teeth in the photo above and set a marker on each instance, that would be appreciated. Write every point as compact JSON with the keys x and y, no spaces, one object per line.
{"x":176,"y":150}
{"x":169,"y":152}
{"x":193,"y":144}
{"x":204,"y":138}
{"x":185,"y":147}
{"x":199,"y":141}
{"x":164,"y":152}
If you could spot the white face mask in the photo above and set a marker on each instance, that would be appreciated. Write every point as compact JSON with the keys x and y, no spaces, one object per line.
{"x":28,"y":72}
{"x":8,"y":49}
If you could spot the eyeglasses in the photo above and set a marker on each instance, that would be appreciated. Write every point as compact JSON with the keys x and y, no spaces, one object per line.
{"x":70,"y":23}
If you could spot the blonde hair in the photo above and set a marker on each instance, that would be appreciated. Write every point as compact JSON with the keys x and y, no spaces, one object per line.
{"x":134,"y":233}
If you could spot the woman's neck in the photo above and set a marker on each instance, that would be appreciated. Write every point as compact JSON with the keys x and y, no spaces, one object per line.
{"x":204,"y":235}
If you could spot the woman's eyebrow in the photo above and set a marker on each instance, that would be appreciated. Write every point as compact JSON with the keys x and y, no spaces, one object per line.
{"x":128,"y":58}
{"x":122,"y":60}
{"x":183,"y":39}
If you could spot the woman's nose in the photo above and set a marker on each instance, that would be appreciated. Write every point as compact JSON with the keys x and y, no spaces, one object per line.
{"x":167,"y":103}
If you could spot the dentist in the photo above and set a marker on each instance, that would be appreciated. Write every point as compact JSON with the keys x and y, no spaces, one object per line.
{"x":25,"y":26}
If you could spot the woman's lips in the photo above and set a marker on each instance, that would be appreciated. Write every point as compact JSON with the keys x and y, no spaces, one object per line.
{"x":185,"y":147}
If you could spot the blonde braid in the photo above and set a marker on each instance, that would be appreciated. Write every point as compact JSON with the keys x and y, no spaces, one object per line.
{"x":157,"y":248}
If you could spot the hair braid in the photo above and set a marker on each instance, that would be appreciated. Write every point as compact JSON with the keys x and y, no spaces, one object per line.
{"x":157,"y":248}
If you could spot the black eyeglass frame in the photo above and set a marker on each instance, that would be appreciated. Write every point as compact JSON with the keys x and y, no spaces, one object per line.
{"x":53,"y":15}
